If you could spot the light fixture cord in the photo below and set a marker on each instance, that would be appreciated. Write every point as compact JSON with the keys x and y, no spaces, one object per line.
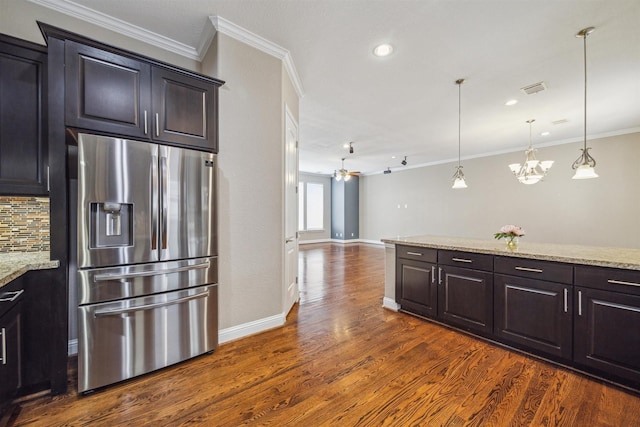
{"x":459,"y":120}
{"x":585,"y":90}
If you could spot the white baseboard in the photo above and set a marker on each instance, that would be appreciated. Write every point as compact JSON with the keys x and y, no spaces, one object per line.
{"x":308,"y":242}
{"x":251,"y":328}
{"x":72,"y":347}
{"x":341,"y":242}
{"x":390,"y":304}
{"x":224,"y":335}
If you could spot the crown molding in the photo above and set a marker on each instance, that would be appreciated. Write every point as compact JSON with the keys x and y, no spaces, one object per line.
{"x":119,"y":26}
{"x":245,"y":36}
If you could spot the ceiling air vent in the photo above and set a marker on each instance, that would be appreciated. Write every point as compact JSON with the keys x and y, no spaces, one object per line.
{"x":534,"y":88}
{"x":560,"y":122}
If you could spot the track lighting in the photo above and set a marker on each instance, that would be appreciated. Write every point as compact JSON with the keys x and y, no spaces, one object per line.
{"x":404,"y":162}
{"x":388,"y":171}
{"x":350,"y":148}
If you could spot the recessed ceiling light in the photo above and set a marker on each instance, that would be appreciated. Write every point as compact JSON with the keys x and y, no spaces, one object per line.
{"x":511,"y":102}
{"x":545,"y":134}
{"x":384,"y":49}
{"x":345,"y":145}
{"x":393,"y":157}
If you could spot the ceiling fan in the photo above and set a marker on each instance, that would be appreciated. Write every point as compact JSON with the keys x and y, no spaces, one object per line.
{"x":343,"y":173}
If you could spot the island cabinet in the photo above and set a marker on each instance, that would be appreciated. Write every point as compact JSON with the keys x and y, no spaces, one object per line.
{"x":10,"y":344}
{"x":533,"y":305}
{"x":416,"y":287}
{"x":607,"y":322}
{"x":112,"y":92}
{"x":465,"y":294}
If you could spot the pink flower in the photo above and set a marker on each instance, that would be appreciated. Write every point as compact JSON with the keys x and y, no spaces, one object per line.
{"x":512,"y":229}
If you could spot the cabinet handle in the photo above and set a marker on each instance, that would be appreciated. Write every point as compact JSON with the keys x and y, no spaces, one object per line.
{"x":462,"y":260}
{"x":157,"y":124}
{"x":414,"y":253}
{"x":433,"y":274}
{"x":439,"y":275}
{"x":48,"y":180}
{"x":531,"y":270}
{"x":579,"y":303}
{"x":6,"y":298}
{"x":146,"y":123}
{"x":620,"y":282}
{"x":566,"y":304}
{"x":4,"y":346}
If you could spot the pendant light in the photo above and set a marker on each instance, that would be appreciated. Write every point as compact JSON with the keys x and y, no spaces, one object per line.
{"x":532,"y":170}
{"x":458,"y":176}
{"x":585,"y":164}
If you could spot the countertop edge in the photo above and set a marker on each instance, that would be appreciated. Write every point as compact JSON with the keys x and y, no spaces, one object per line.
{"x":524,"y":251}
{"x":12,"y":266}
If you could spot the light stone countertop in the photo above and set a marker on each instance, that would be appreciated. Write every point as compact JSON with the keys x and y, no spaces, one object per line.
{"x":625,"y":258}
{"x":15,"y":264}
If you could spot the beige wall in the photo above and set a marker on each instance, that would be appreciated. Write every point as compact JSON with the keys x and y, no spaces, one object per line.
{"x":18,"y":18}
{"x":250,"y":184}
{"x":598,"y":212}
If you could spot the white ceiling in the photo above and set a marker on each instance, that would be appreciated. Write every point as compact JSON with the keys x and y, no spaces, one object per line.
{"x":407,"y":104}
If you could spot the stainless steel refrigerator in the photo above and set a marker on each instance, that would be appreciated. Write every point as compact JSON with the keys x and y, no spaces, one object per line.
{"x":146,"y":257}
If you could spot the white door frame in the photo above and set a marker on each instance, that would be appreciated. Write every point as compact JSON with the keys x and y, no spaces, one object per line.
{"x":290,"y":292}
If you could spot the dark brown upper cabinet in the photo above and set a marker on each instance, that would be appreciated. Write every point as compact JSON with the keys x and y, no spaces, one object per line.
{"x":23,"y":118}
{"x":119,"y":94}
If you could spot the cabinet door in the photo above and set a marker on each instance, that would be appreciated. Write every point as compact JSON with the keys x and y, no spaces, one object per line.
{"x":465,"y":298}
{"x":10,"y":355}
{"x":534,"y":314}
{"x":23,"y":115}
{"x":607,"y":336}
{"x":416,"y":289}
{"x":184,"y":109}
{"x":106,"y":92}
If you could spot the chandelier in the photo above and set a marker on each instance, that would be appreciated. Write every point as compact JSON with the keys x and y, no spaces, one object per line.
{"x":532,"y":170}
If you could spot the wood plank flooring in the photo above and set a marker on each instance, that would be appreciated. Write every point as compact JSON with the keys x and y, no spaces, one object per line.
{"x":343,"y":360}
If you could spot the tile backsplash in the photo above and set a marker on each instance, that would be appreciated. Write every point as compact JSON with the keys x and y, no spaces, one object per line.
{"x":24,"y":224}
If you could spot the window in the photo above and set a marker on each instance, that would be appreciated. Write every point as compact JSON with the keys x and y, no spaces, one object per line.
{"x":310,"y":206}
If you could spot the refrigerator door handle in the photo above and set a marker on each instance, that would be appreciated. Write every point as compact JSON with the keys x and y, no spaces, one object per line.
{"x":108,"y":277}
{"x":204,"y":294}
{"x":154,"y":203}
{"x":163,"y":189}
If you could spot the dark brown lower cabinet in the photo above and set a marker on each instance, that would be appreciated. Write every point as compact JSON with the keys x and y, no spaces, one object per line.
{"x":607,"y":333}
{"x":534,"y":314}
{"x":465,"y":298}
{"x":416,"y":287}
{"x":10,"y":346}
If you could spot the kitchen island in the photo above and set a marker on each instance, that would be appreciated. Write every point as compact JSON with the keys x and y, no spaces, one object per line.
{"x":574,"y":305}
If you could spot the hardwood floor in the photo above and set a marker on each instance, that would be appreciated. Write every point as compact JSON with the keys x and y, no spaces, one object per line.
{"x":343,"y":360}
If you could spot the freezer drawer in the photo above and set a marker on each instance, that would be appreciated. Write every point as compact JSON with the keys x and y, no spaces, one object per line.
{"x":123,"y":339}
{"x":129,"y":281}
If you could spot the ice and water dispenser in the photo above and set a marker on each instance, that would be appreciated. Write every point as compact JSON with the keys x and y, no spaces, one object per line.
{"x":111,"y":224}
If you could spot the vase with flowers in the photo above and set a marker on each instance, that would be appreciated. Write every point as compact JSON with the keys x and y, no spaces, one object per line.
{"x":511,"y":233}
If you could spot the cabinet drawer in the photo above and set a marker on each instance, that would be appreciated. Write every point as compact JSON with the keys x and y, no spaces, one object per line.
{"x":466,"y":260}
{"x":608,"y":279}
{"x":535,"y":269}
{"x":417,"y":253}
